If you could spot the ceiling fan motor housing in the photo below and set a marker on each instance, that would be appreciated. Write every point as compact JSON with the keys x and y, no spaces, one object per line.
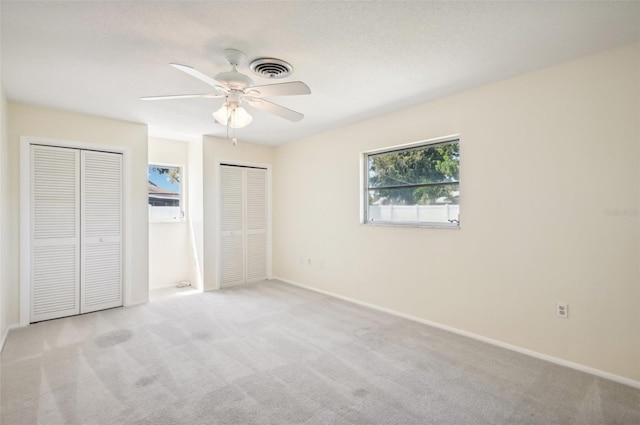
{"x":234,"y":80}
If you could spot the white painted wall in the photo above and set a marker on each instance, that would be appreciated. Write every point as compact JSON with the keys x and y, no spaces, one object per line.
{"x":5,"y":224}
{"x":552,"y":151}
{"x":35,"y":121}
{"x":170,"y":255}
{"x":215,"y":150}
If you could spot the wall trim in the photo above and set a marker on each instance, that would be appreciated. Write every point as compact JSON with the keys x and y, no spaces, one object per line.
{"x":218,"y":213}
{"x":25,"y":211}
{"x":172,"y":285}
{"x":6,"y":335}
{"x":551,"y":359}
{"x":134,"y":304}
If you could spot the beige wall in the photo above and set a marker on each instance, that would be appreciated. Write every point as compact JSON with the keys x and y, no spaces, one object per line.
{"x":28,"y":120}
{"x":544,"y":157}
{"x":170,"y":256}
{"x":5,"y":223}
{"x":638,"y":199}
{"x":215,"y":150}
{"x":196,"y":217}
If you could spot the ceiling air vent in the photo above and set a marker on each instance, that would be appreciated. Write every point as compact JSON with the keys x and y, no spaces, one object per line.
{"x":271,"y":68}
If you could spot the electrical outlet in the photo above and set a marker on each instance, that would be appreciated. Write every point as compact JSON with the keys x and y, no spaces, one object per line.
{"x":321,"y":264}
{"x":309,"y":261}
{"x":562,"y":310}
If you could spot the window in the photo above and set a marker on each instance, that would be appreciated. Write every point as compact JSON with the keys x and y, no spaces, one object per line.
{"x":414,"y":186}
{"x":165,"y":193}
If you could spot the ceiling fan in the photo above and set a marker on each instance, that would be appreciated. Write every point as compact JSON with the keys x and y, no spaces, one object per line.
{"x":237,"y":89}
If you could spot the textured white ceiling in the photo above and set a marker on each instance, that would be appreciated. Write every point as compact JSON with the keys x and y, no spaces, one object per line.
{"x":361,"y":59}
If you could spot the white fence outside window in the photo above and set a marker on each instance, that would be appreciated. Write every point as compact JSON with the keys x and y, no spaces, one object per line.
{"x":414,"y":213}
{"x":164,"y":213}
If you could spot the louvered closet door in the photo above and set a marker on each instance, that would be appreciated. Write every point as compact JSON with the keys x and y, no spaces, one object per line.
{"x":256,"y":224}
{"x":232,"y":258}
{"x":101,"y":268}
{"x":55,"y":232}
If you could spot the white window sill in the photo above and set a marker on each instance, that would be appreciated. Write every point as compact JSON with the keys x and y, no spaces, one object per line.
{"x":177,"y":220}
{"x":452,"y":226}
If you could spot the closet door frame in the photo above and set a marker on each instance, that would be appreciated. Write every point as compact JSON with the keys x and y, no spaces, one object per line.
{"x":25,"y":214}
{"x":218,"y":214}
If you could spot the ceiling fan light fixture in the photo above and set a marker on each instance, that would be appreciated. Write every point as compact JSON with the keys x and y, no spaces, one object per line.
{"x":237,"y":88}
{"x":236,"y":116}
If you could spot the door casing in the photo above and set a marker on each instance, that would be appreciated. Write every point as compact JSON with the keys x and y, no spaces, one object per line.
{"x":25,"y":214}
{"x":268,"y":167}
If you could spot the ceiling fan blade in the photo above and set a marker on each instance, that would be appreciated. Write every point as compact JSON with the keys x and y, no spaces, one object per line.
{"x":278,"y":110}
{"x":181,"y":96}
{"x":292,"y":88}
{"x":200,"y":76}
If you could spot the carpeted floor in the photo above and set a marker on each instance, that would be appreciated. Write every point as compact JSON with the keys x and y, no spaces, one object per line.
{"x":271,"y":353}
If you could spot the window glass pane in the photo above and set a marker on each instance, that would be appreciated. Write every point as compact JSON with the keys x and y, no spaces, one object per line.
{"x":427,"y":164}
{"x":434,"y":204}
{"x":164,"y":193}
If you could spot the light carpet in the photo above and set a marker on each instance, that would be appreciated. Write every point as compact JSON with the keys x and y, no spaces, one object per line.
{"x":271,"y":353}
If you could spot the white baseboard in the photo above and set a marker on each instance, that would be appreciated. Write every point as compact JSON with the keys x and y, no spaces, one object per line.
{"x":6,"y":334}
{"x":133,"y":304}
{"x":577,"y":366}
{"x":171,"y":285}
{"x":155,"y":288}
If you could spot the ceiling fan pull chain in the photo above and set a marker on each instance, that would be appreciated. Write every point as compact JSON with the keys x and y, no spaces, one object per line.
{"x":228,"y":115}
{"x":234,"y":141}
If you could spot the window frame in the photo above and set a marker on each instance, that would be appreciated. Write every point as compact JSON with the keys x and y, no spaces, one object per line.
{"x":364,"y":184}
{"x":182,"y":203}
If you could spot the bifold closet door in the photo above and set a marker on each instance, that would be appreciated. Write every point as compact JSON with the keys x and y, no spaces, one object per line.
{"x":55,"y":232}
{"x":243,"y":247}
{"x":101,"y":227}
{"x":232,"y":260}
{"x":256,"y":224}
{"x":76,"y":231}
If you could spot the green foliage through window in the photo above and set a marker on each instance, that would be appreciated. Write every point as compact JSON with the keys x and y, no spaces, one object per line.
{"x":165,"y":193}
{"x":426,"y":175}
